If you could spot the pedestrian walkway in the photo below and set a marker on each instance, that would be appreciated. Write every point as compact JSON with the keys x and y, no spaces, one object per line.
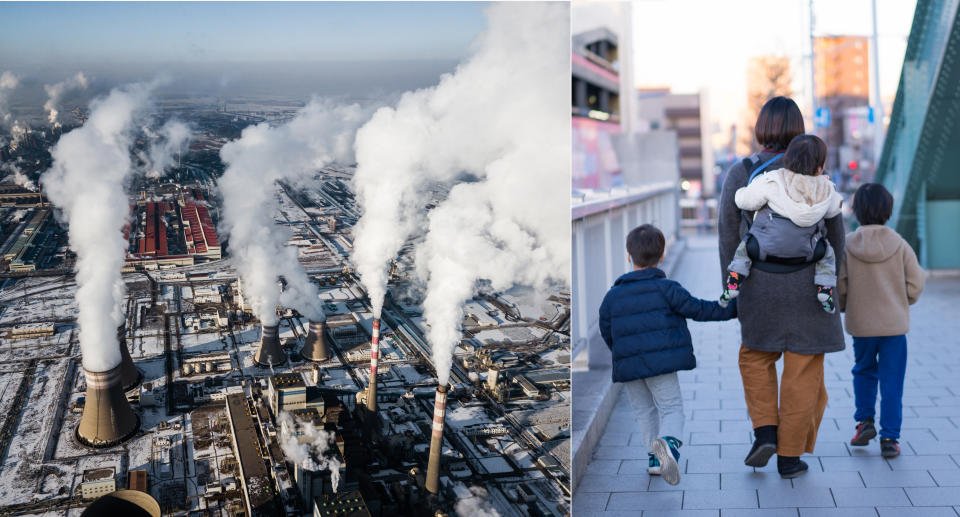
{"x":843,"y":480}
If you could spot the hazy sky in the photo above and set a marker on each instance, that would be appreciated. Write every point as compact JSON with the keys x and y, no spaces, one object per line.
{"x":335,"y":47}
{"x":706,"y":44}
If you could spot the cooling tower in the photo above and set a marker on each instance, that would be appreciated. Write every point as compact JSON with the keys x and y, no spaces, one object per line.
{"x":107,"y":418}
{"x":131,"y":503}
{"x":436,"y":441}
{"x":374,"y":354}
{"x":269,"y":353}
{"x":315,"y":349}
{"x":130,"y":376}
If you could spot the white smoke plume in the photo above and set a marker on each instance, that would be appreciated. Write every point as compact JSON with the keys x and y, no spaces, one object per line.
{"x":503,"y":118}
{"x":309,"y":450}
{"x":321,"y":133}
{"x":17,"y":175}
{"x":8,"y":82}
{"x":86,"y":182}
{"x":166,"y":145}
{"x":56,"y":91}
{"x":435,"y":134}
{"x":18,"y":131}
{"x":475,"y":506}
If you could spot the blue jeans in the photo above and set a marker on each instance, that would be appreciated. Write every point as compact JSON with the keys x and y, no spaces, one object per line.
{"x":882,"y":359}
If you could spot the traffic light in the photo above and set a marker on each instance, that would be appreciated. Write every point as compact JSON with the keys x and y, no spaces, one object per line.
{"x":853,"y":165}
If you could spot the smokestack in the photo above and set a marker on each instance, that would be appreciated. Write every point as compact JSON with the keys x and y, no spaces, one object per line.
{"x":374,"y":354}
{"x":315,"y":349}
{"x":436,"y":440}
{"x":107,"y":418}
{"x":269,"y":353}
{"x":130,"y":376}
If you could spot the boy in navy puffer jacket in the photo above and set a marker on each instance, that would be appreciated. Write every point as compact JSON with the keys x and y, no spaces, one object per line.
{"x":643,"y":321}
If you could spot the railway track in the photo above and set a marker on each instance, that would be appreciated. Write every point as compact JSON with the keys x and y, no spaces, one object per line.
{"x":47,"y":505}
{"x":13,"y":415}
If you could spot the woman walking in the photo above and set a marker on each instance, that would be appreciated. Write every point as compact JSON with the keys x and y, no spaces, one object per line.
{"x":778,"y":315}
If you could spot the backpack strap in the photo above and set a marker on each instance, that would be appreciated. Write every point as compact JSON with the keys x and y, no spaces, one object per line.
{"x":759,"y":170}
{"x":749,"y":165}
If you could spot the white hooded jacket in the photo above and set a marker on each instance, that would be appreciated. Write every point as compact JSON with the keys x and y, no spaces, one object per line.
{"x":805,"y":200}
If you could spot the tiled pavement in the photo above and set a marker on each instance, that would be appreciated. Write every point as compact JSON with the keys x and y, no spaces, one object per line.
{"x":843,"y":480}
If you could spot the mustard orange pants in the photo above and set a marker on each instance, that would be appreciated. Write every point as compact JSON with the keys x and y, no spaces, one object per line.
{"x":803,"y":396}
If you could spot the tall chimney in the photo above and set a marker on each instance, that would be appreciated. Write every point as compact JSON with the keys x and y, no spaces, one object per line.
{"x":130,"y":376}
{"x":269,"y":353}
{"x":107,"y":418}
{"x":374,"y":355}
{"x":315,"y":348}
{"x":436,"y":441}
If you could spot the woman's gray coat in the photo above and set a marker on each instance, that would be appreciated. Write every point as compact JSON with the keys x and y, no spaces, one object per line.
{"x":777,"y":311}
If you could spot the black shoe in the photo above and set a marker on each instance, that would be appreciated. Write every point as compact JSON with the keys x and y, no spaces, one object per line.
{"x":790,"y":466}
{"x":865,"y":432}
{"x":764,"y":446}
{"x":889,"y":448}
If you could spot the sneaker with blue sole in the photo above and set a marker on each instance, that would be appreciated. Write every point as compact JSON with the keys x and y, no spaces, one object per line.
{"x":666,"y":450}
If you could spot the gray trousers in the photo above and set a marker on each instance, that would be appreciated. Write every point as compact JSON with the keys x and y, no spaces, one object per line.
{"x":825,"y":273}
{"x":658,"y":405}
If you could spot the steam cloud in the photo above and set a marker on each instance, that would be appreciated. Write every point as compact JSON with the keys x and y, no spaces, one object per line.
{"x":18,"y":131}
{"x":17,"y":175}
{"x":309,"y":451}
{"x":55,"y":93}
{"x":165,"y":144}
{"x":321,"y":133}
{"x":475,"y":506}
{"x":86,"y":182}
{"x":8,"y":82}
{"x":501,"y":118}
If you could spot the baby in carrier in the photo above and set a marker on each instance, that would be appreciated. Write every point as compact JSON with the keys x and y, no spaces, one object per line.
{"x":791,"y":204}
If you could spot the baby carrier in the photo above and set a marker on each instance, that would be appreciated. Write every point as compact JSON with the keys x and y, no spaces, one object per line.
{"x":774,"y":243}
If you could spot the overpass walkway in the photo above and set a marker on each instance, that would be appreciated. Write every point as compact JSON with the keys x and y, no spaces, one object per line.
{"x":843,"y":480}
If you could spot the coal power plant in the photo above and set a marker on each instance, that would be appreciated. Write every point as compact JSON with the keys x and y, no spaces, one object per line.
{"x":107,"y":417}
{"x":436,"y":441}
{"x":269,"y":352}
{"x":329,"y":302}
{"x":374,"y":354}
{"x":130,"y":376}
{"x":315,"y":348}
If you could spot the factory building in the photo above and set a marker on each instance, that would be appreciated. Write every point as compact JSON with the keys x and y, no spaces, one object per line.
{"x":200,"y":234}
{"x":170,"y":234}
{"x":154,"y":241}
{"x":317,"y":483}
{"x":36,"y":241}
{"x":97,"y":483}
{"x":30,"y":331}
{"x":248,"y":448}
{"x":207,"y":363}
{"x":345,"y":504}
{"x":288,"y":392}
{"x":137,"y":480}
{"x":19,"y":197}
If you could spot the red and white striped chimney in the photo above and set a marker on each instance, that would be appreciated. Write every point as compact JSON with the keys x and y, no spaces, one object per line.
{"x":374,"y":356}
{"x":436,"y":440}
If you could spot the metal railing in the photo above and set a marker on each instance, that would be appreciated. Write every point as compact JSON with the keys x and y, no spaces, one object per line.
{"x":600,"y":223}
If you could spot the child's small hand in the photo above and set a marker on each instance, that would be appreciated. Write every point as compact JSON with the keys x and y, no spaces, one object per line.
{"x":732,"y":309}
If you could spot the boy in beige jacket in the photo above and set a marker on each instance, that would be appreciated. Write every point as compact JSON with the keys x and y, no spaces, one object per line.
{"x":879,"y":280}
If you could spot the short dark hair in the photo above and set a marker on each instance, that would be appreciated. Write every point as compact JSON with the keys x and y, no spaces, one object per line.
{"x":872,"y":204}
{"x":805,"y":155}
{"x":645,"y":244}
{"x":779,"y":122}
